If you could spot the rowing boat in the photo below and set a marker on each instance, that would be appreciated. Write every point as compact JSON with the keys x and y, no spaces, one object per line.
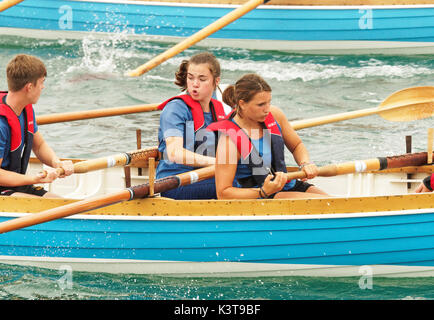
{"x":304,"y":26}
{"x":373,"y":220}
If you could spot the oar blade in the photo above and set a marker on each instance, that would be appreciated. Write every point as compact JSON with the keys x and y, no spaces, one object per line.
{"x":6,"y":4}
{"x":408,"y":104}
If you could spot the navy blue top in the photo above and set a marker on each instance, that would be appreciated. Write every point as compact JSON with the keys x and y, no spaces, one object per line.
{"x":5,"y":137}
{"x":264,"y":149}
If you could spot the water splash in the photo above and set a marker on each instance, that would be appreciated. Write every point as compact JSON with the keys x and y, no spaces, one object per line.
{"x":101,"y":55}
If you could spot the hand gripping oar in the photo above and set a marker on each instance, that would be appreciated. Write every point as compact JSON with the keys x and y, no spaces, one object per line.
{"x":381,"y":163}
{"x":136,"y":192}
{"x":198,"y":36}
{"x":405,"y":105}
{"x":6,"y":4}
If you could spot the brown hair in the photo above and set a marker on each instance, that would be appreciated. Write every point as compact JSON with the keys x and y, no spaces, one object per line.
{"x":23,"y":69}
{"x":244,"y":89}
{"x":200,"y":58}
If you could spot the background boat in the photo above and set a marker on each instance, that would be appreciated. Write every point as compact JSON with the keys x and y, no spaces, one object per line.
{"x":386,"y":27}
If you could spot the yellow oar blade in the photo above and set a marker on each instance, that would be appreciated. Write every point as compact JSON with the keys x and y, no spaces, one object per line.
{"x":408,"y":104}
{"x":405,"y":105}
{"x":6,"y":4}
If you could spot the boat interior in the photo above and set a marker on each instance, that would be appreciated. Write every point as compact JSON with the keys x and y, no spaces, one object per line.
{"x":399,"y":181}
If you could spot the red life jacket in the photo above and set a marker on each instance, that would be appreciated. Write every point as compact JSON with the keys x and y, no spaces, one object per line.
{"x":217,"y":110}
{"x":19,"y":159}
{"x":191,"y":141}
{"x":248,"y":152}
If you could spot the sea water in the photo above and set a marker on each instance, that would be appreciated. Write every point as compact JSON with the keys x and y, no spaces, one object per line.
{"x":89,"y":73}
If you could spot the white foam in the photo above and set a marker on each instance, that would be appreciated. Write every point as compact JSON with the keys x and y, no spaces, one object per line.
{"x":310,"y":71}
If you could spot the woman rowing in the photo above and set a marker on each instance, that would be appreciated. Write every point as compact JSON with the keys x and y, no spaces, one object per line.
{"x":183,"y":139}
{"x":250,"y":159}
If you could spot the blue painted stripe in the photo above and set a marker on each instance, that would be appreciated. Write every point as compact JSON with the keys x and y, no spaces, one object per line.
{"x":362,"y":240}
{"x":419,"y":257}
{"x":179,"y":238}
{"x":209,"y":225}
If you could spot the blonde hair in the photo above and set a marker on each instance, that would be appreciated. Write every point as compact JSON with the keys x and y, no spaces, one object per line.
{"x":200,"y":58}
{"x":23,"y":69}
{"x":244,"y":89}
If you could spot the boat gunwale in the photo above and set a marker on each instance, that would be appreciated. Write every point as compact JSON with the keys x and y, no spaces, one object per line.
{"x":273,"y":7}
{"x":165,"y":217}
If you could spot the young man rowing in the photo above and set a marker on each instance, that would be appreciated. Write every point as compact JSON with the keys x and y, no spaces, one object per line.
{"x":19,"y":133}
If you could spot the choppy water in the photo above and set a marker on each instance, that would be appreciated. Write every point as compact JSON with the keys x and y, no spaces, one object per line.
{"x":33,"y":283}
{"x":89,"y":74}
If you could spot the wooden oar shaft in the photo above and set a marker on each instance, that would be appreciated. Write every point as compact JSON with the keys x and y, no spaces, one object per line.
{"x":64,"y":211}
{"x":120,"y":159}
{"x":172,"y":182}
{"x":381,"y":163}
{"x":405,"y":105}
{"x":138,"y":158}
{"x":96,"y":113}
{"x":136,"y":192}
{"x":198,"y":36}
{"x":307,"y":123}
{"x":6,"y":4}
{"x":196,"y":175}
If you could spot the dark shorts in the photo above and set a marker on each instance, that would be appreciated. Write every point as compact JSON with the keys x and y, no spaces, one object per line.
{"x":201,"y":190}
{"x":29,"y":189}
{"x":300,"y":186}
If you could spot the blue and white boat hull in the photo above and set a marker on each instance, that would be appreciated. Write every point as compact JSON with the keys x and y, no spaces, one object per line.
{"x":384,"y":243}
{"x":393,"y":29}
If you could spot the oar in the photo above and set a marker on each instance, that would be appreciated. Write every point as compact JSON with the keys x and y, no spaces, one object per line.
{"x":380,"y":163}
{"x":405,"y":105}
{"x":6,"y":4}
{"x":96,"y":113}
{"x":138,"y":158}
{"x":198,"y":36}
{"x":175,"y":181}
{"x":140,"y":191}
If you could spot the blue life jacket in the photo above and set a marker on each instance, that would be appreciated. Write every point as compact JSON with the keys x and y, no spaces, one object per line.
{"x":248,"y":152}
